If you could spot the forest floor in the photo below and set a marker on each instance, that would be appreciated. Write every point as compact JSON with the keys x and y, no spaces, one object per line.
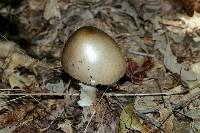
{"x":158,"y":93}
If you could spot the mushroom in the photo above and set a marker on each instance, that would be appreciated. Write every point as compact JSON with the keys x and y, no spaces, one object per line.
{"x":93,"y":57}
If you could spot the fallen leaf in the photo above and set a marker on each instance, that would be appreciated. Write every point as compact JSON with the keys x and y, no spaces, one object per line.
{"x":167,"y":117}
{"x":18,"y":114}
{"x":6,"y":47}
{"x":8,"y":129}
{"x":193,"y":113}
{"x":17,"y":80}
{"x":56,"y":87}
{"x":27,"y":127}
{"x":172,"y":64}
{"x":196,"y":69}
{"x":129,"y":120}
{"x":51,"y":10}
{"x":146,"y":103}
{"x":195,"y":127}
{"x":190,"y":23}
{"x":66,"y":126}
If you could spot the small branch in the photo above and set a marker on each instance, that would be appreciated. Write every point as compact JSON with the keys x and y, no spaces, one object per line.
{"x":107,"y":94}
{"x":39,"y":94}
{"x":144,"y":94}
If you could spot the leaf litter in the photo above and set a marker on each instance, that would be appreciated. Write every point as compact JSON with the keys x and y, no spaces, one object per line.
{"x":160,"y":39}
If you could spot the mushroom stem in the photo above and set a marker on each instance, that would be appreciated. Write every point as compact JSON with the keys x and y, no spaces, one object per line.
{"x":87,"y":96}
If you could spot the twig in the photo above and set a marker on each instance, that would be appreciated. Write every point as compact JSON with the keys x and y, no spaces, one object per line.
{"x":144,"y":94}
{"x":140,"y":53}
{"x":45,"y":106}
{"x":107,"y":94}
{"x":93,"y":113}
{"x":3,"y":37}
{"x":2,"y":103}
{"x":177,"y":24}
{"x":39,"y":94}
{"x":11,"y":89}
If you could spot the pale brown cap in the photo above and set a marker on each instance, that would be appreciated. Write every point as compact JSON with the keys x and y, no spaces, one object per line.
{"x":93,"y":57}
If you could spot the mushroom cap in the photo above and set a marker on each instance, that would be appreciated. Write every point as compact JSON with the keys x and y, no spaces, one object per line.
{"x":93,"y":57}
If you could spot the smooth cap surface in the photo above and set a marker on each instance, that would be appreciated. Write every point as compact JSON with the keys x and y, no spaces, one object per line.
{"x":93,"y":57}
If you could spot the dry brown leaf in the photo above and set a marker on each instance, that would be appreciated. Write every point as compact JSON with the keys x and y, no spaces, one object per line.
{"x":166,"y":116}
{"x":51,"y":9}
{"x":26,"y":128}
{"x":172,"y":64}
{"x":16,"y":115}
{"x":20,"y":81}
{"x":66,"y":126}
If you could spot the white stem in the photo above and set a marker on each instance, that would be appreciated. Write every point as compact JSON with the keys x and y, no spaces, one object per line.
{"x":87,"y":96}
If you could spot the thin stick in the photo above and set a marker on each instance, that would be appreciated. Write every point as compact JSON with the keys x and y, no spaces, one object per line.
{"x":39,"y":94}
{"x":107,"y":94}
{"x":140,"y":53}
{"x":11,"y":89}
{"x":3,"y":103}
{"x":3,"y":37}
{"x":144,"y":94}
{"x":93,"y":113}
